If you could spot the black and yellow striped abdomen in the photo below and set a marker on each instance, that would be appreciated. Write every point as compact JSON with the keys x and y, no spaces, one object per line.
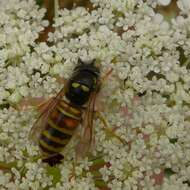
{"x":59,"y":129}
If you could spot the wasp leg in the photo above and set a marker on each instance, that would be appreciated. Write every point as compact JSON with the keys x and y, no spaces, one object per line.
{"x":44,"y":104}
{"x":107,"y":128}
{"x":54,"y":159}
{"x":73,"y":172}
{"x":41,"y":107}
{"x":39,"y":103}
{"x":61,"y":80}
{"x":106,"y":75}
{"x":74,"y":163}
{"x":30,"y":101}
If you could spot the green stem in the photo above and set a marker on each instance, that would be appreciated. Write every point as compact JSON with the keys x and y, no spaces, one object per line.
{"x":56,"y":8}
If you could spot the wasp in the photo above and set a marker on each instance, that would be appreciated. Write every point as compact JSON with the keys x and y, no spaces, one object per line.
{"x":73,"y":105}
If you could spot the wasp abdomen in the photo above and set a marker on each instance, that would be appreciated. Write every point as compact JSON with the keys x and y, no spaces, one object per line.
{"x":59,"y":129}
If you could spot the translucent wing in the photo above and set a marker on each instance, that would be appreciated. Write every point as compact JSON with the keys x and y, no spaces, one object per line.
{"x":87,"y":135}
{"x":40,"y":123}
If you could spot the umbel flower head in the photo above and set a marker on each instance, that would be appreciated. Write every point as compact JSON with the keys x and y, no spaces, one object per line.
{"x":145,"y":101}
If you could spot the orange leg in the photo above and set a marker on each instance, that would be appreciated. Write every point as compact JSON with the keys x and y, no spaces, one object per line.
{"x":41,"y":107}
{"x":106,"y":75}
{"x":103,"y":79}
{"x":73,"y":173}
{"x":107,"y":128}
{"x":30,"y":101}
{"x":61,"y":80}
{"x":39,"y":103}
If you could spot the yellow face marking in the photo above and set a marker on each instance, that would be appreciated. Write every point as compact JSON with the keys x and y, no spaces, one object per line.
{"x":85,"y":88}
{"x":75,"y":84}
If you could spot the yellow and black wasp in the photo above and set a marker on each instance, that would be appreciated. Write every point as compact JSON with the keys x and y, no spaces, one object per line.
{"x":61,"y":116}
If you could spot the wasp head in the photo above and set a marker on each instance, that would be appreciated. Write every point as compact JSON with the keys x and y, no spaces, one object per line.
{"x":83,"y":82}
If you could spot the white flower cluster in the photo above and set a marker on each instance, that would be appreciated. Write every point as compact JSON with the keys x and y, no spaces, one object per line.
{"x":145,"y":100}
{"x":18,"y":153}
{"x":20,"y":24}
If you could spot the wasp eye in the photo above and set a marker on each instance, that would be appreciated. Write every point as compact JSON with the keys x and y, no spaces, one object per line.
{"x":85,"y":88}
{"x":75,"y":84}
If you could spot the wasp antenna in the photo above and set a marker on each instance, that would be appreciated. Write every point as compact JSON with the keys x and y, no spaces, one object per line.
{"x":80,"y":61}
{"x":93,"y":62}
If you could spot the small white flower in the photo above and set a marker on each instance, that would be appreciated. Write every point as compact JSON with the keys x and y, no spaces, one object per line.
{"x":145,"y":98}
{"x":183,"y":5}
{"x":164,"y":2}
{"x":15,"y":97}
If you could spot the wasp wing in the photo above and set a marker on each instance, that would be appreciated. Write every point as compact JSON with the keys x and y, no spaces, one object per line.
{"x":40,"y":123}
{"x":87,"y":135}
